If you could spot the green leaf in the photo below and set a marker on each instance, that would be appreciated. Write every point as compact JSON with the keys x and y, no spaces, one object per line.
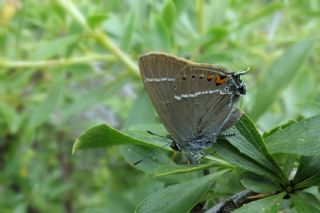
{"x":42,"y":112}
{"x":132,"y":154}
{"x":177,"y":169}
{"x":96,"y":20}
{"x":278,"y":76}
{"x":248,"y":150}
{"x":180,"y":197}
{"x":160,"y":36}
{"x":10,"y":116}
{"x":229,"y":153}
{"x":259,"y":183}
{"x":268,"y":10}
{"x":92,"y":97}
{"x":102,"y":136}
{"x":301,"y":138}
{"x":127,"y":32}
{"x":265,"y":205}
{"x":168,"y":14}
{"x":305,"y":202}
{"x":142,"y":112}
{"x":53,"y":48}
{"x":308,"y":173}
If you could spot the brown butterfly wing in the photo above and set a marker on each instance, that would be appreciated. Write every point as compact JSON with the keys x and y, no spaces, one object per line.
{"x":184,"y":98}
{"x":158,"y":72}
{"x":201,"y":101}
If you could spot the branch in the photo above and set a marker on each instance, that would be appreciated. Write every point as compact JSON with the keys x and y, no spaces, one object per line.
{"x":100,"y":36}
{"x":56,"y":62}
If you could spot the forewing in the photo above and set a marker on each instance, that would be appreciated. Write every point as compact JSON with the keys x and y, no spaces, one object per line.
{"x":158,"y":72}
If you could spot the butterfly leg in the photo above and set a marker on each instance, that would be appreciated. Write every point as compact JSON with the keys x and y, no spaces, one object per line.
{"x":160,"y":136}
{"x":228,"y":135}
{"x":193,"y":157}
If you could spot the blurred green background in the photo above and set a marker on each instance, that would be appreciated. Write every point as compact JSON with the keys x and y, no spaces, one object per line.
{"x":68,"y":65}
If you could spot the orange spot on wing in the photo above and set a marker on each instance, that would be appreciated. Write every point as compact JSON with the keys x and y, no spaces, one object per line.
{"x":209,"y":77}
{"x":220,"y":80}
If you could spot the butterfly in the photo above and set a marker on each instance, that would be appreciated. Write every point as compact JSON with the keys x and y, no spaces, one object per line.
{"x":196,"y":102}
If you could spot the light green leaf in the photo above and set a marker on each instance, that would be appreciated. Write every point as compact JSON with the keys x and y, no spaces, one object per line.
{"x":10,"y":116}
{"x":102,"y":135}
{"x":266,"y":205}
{"x":302,"y":138}
{"x":177,"y":169}
{"x":127,"y":32}
{"x":53,"y":48}
{"x":278,"y":76}
{"x":142,"y":112}
{"x":305,"y":202}
{"x":42,"y":112}
{"x":168,"y":14}
{"x":180,"y":197}
{"x":160,"y":36}
{"x":96,"y":20}
{"x":92,"y":97}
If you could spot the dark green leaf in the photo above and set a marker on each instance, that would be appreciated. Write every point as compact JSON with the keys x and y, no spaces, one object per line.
{"x":278,"y":76}
{"x":265,"y":205}
{"x":259,"y":183}
{"x":249,"y":151}
{"x":308,"y":173}
{"x":305,"y":202}
{"x":235,"y":157}
{"x":302,"y":138}
{"x":180,"y":197}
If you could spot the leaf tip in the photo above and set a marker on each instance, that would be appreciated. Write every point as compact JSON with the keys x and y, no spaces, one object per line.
{"x":75,"y":146}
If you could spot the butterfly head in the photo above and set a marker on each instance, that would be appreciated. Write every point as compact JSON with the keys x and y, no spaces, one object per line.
{"x":240,"y":87}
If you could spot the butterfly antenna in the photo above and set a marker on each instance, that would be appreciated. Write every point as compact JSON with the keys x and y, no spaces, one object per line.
{"x":152,"y":133}
{"x":243,"y":72}
{"x":152,"y":154}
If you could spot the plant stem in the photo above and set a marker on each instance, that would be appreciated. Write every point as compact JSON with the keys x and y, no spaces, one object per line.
{"x":200,"y":12}
{"x":52,"y":63}
{"x":107,"y":43}
{"x":100,"y":36}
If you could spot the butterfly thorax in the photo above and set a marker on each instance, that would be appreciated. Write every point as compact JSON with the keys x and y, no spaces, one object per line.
{"x":196,"y":145}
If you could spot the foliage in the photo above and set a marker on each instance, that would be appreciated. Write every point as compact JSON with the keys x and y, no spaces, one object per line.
{"x":67,"y":66}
